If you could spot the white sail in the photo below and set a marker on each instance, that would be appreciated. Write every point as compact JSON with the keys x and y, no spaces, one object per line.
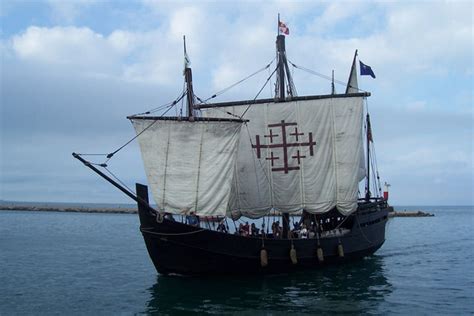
{"x":352,"y":85}
{"x":298,"y":155}
{"x":189,"y":165}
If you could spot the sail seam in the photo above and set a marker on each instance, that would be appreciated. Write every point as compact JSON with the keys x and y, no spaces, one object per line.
{"x":268,"y":169}
{"x":199,"y":169}
{"x":166,"y":167}
{"x":236,"y":176}
{"x":302,"y":170}
{"x":334,"y":140}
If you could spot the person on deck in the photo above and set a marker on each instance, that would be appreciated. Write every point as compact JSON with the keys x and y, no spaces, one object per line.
{"x":306,"y":219}
{"x":170,"y":217}
{"x":276,"y":229}
{"x":254,"y":230}
{"x":246,"y":229}
{"x":192,"y":219}
{"x":296,"y":229}
{"x":221,"y":227}
{"x":303,"y":232}
{"x":241,"y":229}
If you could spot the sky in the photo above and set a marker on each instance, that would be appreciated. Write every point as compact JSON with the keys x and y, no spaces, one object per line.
{"x":71,"y":71}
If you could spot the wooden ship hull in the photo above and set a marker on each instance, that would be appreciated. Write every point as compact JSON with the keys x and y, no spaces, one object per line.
{"x":177,"y":248}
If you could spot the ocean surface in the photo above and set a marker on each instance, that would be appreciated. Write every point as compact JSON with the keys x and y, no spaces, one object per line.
{"x":77,"y":263}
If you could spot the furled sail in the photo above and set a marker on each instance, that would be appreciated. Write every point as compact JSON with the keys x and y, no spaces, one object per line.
{"x":189,"y":163}
{"x":305,"y":154}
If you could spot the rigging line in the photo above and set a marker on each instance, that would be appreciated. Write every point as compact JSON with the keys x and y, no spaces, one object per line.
{"x":182,"y":101}
{"x":362,"y":232}
{"x":238,"y":82}
{"x":377,"y":182}
{"x":109,"y":156}
{"x":226,"y":112}
{"x":147,"y":230}
{"x":120,"y":181}
{"x":271,"y":83}
{"x":375,"y":176}
{"x":268,"y":79}
{"x":339,"y":225}
{"x":161,"y":107}
{"x":154,"y":109}
{"x":321,"y":75}
{"x":377,"y":169}
{"x":264,"y":85}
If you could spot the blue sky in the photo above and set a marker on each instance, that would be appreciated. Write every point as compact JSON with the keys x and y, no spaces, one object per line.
{"x":71,"y":72}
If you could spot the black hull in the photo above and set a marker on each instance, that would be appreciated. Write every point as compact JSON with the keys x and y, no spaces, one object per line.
{"x":182,"y":249}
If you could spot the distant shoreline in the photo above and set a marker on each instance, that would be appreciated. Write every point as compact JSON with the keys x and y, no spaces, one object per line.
{"x":128,"y":210}
{"x":72,"y":209}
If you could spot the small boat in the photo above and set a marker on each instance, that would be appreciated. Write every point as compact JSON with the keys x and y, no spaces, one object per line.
{"x":274,"y":162}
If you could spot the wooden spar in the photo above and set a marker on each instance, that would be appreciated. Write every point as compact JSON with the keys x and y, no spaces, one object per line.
{"x":296,"y":98}
{"x":280,"y":43}
{"x":137,"y":199}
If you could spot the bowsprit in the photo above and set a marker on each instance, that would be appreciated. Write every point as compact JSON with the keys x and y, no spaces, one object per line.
{"x":287,"y":132}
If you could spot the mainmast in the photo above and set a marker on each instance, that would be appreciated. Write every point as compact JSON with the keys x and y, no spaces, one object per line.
{"x":282,"y":67}
{"x":188,"y":78}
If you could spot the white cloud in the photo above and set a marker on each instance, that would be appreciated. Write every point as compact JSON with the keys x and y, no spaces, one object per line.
{"x":80,"y":47}
{"x":427,"y":36}
{"x":189,"y":21}
{"x":67,"y":11}
{"x":335,"y":13}
{"x":128,"y":55}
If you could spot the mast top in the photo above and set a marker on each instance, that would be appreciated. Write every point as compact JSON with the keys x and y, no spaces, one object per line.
{"x":282,"y":66}
{"x":188,"y":78}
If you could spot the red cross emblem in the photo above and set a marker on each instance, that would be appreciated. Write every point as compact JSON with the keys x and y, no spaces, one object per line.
{"x":284,"y":145}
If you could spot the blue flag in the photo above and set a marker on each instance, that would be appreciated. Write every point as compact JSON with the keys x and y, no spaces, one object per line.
{"x":366,"y":70}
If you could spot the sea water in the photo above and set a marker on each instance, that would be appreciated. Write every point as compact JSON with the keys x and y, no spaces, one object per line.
{"x":74,"y":263}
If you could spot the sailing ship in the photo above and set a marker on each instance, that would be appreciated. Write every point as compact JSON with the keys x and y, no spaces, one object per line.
{"x":284,"y":160}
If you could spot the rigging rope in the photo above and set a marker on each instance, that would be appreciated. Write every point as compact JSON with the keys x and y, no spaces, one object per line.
{"x":109,"y":156}
{"x":373,"y":161}
{"x":322,"y":75}
{"x":237,"y":83}
{"x":120,"y":181}
{"x":145,"y":230}
{"x":268,"y":79}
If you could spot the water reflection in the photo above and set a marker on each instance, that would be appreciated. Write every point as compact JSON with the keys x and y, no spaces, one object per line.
{"x":356,"y":287}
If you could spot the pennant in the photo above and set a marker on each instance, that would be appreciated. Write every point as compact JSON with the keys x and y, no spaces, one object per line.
{"x":283,"y":28}
{"x":366,"y":70}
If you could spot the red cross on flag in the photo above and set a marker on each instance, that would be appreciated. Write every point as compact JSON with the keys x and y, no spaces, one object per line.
{"x":283,"y":28}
